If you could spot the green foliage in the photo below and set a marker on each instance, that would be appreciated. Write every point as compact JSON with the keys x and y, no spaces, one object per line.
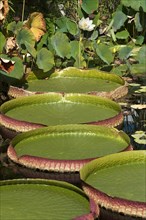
{"x":45,"y":59}
{"x":89,"y":6}
{"x":65,"y":43}
{"x":61,"y":44}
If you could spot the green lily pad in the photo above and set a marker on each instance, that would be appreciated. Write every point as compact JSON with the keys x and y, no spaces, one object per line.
{"x":74,"y":80}
{"x":27,"y":113}
{"x":66,"y":148}
{"x":118,"y":182}
{"x":40,"y":199}
{"x":140,"y":137}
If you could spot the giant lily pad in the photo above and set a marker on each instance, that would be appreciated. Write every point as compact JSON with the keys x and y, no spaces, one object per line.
{"x":117,"y":182}
{"x":65,"y":148}
{"x":43,"y":199}
{"x":73,"y":80}
{"x":27,"y":113}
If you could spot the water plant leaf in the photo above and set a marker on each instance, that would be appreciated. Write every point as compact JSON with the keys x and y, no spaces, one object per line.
{"x":102,"y":173}
{"x":2,"y":42}
{"x":58,"y":41}
{"x":15,"y":73}
{"x":119,"y":19}
{"x":137,"y":22}
{"x":15,"y":27}
{"x":141,"y":89}
{"x":136,"y":5}
{"x":89,"y":6}
{"x":139,"y":137}
{"x":55,"y":109}
{"x":104,"y":53}
{"x":138,"y":68}
{"x":139,"y":40}
{"x":122,"y":34}
{"x":45,"y":59}
{"x":24,"y":36}
{"x":141,"y":55}
{"x":72,"y":27}
{"x":35,"y":196}
{"x":61,"y":23}
{"x":125,"y":52}
{"x":75,"y":47}
{"x":63,"y":141}
{"x":36,"y":24}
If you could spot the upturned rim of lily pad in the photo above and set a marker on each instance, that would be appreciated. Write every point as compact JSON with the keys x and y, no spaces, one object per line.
{"x":62,"y":165}
{"x":93,"y":209}
{"x":114,"y":94}
{"x":23,"y":126}
{"x":112,"y":203}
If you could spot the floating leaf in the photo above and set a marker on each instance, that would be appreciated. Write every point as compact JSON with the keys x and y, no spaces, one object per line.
{"x":141,"y":55}
{"x":142,"y":89}
{"x":89,"y":6}
{"x":45,"y":59}
{"x":138,"y":68}
{"x":119,"y":19}
{"x":138,"y":106}
{"x":139,"y":40}
{"x":60,"y":43}
{"x":136,"y":5}
{"x":122,"y":35}
{"x":139,"y":137}
{"x":125,"y":52}
{"x":104,"y":53}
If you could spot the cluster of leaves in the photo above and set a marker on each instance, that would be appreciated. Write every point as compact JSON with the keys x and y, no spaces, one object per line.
{"x":118,"y":47}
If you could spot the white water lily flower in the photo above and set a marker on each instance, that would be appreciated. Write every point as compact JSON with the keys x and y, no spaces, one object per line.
{"x":86,"y":24}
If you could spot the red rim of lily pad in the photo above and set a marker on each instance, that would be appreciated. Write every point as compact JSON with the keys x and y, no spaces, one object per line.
{"x":73,"y":73}
{"x":114,"y":205}
{"x":22,"y":126}
{"x":59,"y":168}
{"x":65,"y":190}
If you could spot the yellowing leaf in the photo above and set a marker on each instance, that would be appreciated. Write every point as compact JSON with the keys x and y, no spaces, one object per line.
{"x":36,"y":23}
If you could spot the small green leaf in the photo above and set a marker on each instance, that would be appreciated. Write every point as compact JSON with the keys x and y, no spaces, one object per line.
{"x":94,"y":35}
{"x":136,"y":5}
{"x":72,"y":27}
{"x":30,"y":49}
{"x":122,"y":35}
{"x":125,"y":52}
{"x":119,"y":19}
{"x":137,"y":22}
{"x":2,"y":42}
{"x":139,"y":40}
{"x":61,"y":23}
{"x":74,"y":48}
{"x":89,"y":6}
{"x":142,"y":54}
{"x":15,"y":27}
{"x":104,"y":53}
{"x":138,"y":69}
{"x":61,"y":45}
{"x":24,"y":36}
{"x":45,"y":59}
